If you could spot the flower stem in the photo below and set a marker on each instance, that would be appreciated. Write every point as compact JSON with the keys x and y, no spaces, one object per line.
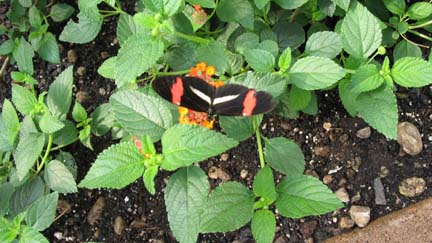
{"x":420,"y":35}
{"x":259,"y":144}
{"x":420,"y":25}
{"x":170,"y":73}
{"x":192,"y":38}
{"x":47,"y":151}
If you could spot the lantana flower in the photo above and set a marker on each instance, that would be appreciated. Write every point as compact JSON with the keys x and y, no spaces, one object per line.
{"x":199,"y":16}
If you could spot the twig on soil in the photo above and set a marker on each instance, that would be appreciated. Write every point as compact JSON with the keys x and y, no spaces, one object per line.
{"x":3,"y":68}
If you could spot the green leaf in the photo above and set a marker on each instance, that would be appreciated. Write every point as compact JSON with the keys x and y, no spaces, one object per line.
{"x":284,"y":155}
{"x":263,"y":184}
{"x":324,"y":44}
{"x":8,"y":230}
{"x":171,"y":7}
{"x":22,"y":77}
{"x":185,"y":200}
{"x":420,"y":10}
{"x":311,"y":73}
{"x":302,"y":195}
{"x":271,"y":83}
{"x":395,"y":6}
{"x":102,"y":120}
{"x":298,"y":98}
{"x":61,"y":11}
{"x":289,"y":35}
{"x":263,"y":226}
{"x":59,"y":96}
{"x":59,"y":178}
{"x":25,"y":3}
{"x":141,"y":114}
{"x":183,"y":145}
{"x":260,"y":60}
{"x":68,"y":160}
{"x":245,"y":41}
{"x":182,"y":56}
{"x":284,"y":61}
{"x":40,"y":215}
{"x":229,"y":207}
{"x":292,"y":4}
{"x":238,"y":127}
{"x":366,"y":78}
{"x":50,"y":124}
{"x":125,"y":28}
{"x":25,"y":195}
{"x":136,"y":56}
{"x":361,"y":32}
{"x":343,"y":4}
{"x":238,"y":11}
{"x":347,"y":97}
{"x":6,"y":190}
{"x":260,"y":4}
{"x":412,"y":72}
{"x":27,"y":152}
{"x":312,"y":107}
{"x":23,"y":55}
{"x":67,"y":135}
{"x":106,"y":69}
{"x":154,"y":5}
{"x":213,"y":54}
{"x":79,"y":114}
{"x":9,"y":126}
{"x":31,"y":235}
{"x":149,"y":175}
{"x":84,"y":136}
{"x":7,"y":47}
{"x":270,"y":46}
{"x":48,"y":48}
{"x":23,"y":99}
{"x":379,"y":109}
{"x":116,"y":167}
{"x":406,"y":49}
{"x":35,"y":18}
{"x":202,"y":3}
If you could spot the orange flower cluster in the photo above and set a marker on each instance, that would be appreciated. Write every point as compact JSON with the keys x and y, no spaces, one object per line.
{"x":188,"y":116}
{"x":199,"y":16}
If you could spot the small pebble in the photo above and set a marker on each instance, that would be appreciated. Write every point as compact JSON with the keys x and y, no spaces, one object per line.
{"x":312,"y":173}
{"x":323,"y":151}
{"x":307,"y":229}
{"x":408,"y":136}
{"x":82,"y":97}
{"x":342,"y":194}
{"x":119,"y":225}
{"x":104,"y":55}
{"x":380,"y":198}
{"x":343,"y":138}
{"x":327,"y":126}
{"x":156,"y":241}
{"x":224,"y":156}
{"x":356,"y":197}
{"x":96,"y":211}
{"x":286,"y":126}
{"x":383,"y":171}
{"x":346,"y":223}
{"x":218,"y":173}
{"x":364,"y":133}
{"x":360,"y":215}
{"x":281,"y":239}
{"x":72,"y":56}
{"x":412,"y":187}
{"x":102,"y":91}
{"x":327,"y":179}
{"x":81,"y":71}
{"x":243,"y":173}
{"x":58,"y":235}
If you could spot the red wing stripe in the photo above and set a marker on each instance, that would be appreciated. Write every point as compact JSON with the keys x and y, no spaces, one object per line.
{"x":177,"y":91}
{"x":249,"y":103}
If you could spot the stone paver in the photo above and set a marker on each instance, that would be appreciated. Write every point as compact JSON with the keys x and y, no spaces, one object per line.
{"x":412,"y":224}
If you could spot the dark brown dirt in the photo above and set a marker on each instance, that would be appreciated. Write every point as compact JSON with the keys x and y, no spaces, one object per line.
{"x":134,"y":202}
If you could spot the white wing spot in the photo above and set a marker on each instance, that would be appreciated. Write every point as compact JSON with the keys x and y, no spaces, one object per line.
{"x":225,"y":99}
{"x":201,"y":95}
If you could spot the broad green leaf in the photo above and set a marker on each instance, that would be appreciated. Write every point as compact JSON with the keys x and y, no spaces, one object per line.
{"x":312,"y":107}
{"x":347,"y":97}
{"x":106,"y":69}
{"x":154,"y":5}
{"x":238,"y":11}
{"x":185,"y":200}
{"x":292,"y":4}
{"x":22,"y":77}
{"x":202,"y":3}
{"x":171,"y":7}
{"x":284,"y":61}
{"x":183,"y":145}
{"x":235,"y":63}
{"x":343,"y":4}
{"x":149,"y":175}
{"x":395,"y":6}
{"x":311,"y":73}
{"x":289,"y":35}
{"x":268,"y":82}
{"x":125,"y":28}
{"x":79,"y":113}
{"x":302,"y":195}
{"x":23,"y":55}
{"x":30,"y":235}
{"x":366,"y":78}
{"x":40,"y":215}
{"x":361,"y":32}
{"x":85,"y":30}
{"x":6,"y":190}
{"x":50,"y":124}
{"x":7,"y":47}
{"x":263,"y":226}
{"x":68,"y":160}
{"x":59,"y":178}
{"x":327,"y":7}
{"x":412,"y":72}
{"x":270,"y":46}
{"x":284,"y":155}
{"x":137,"y":55}
{"x":379,"y":109}
{"x":25,"y":3}
{"x":25,"y":195}
{"x":182,"y":56}
{"x":8,"y":231}
{"x":61,"y":11}
{"x":48,"y":48}
{"x":84,"y":137}
{"x":260,"y":4}
{"x":406,"y":49}
{"x":238,"y":127}
{"x":419,"y":10}
{"x":229,"y":207}
{"x":9,"y":126}
{"x":59,"y":96}
{"x":260,"y":60}
{"x":264,"y":185}
{"x":213,"y":54}
{"x":324,"y":44}
{"x":116,"y":167}
{"x":298,"y":98}
{"x":23,"y":99}
{"x":141,"y":114}
{"x":35,"y":18}
{"x":246,"y":41}
{"x":67,"y":135}
{"x":102,"y":120}
{"x":27,"y":152}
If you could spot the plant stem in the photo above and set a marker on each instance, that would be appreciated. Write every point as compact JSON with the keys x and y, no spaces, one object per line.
{"x":62,"y":146}
{"x":192,"y":38}
{"x":420,"y":25}
{"x":3,"y":68}
{"x":421,"y":35}
{"x":47,"y":151}
{"x":170,"y":73}
{"x":259,"y":144}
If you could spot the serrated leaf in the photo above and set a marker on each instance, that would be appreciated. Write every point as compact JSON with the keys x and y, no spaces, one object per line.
{"x":182,"y":56}
{"x":185,"y":200}
{"x":343,"y":4}
{"x":116,"y":167}
{"x":289,"y":35}
{"x":7,"y":47}
{"x":102,"y":119}
{"x":284,"y":61}
{"x":347,"y":97}
{"x":365,"y":79}
{"x":9,"y":126}
{"x":67,"y":135}
{"x":298,"y":98}
{"x":412,"y":72}
{"x":311,"y":73}
{"x":27,"y":152}
{"x":284,"y":155}
{"x":395,"y":6}
{"x":238,"y":11}
{"x":183,"y":145}
{"x":379,"y":109}
{"x":31,"y":235}
{"x":35,"y":18}
{"x":23,"y":99}
{"x":245,"y":41}
{"x":61,"y":11}
{"x":84,"y":137}
{"x":141,"y":114}
{"x":6,"y":190}
{"x":8,"y":231}
{"x":270,"y":46}
{"x":406,"y":49}
{"x":324,"y":44}
{"x":125,"y":28}
{"x":260,"y":60}
{"x":106,"y":69}
{"x":137,"y":55}
{"x":48,"y":48}
{"x":23,"y":55}
{"x":361,"y":32}
{"x":50,"y":124}
{"x":149,"y":175}
{"x":263,"y":184}
{"x":238,"y":127}
{"x":59,"y":96}
{"x":171,"y":7}
{"x":213,"y":54}
{"x":268,"y":82}
{"x":260,"y":4}
{"x":40,"y":215}
{"x":25,"y":195}
{"x":79,"y":114}
{"x":292,"y":4}
{"x":68,"y":160}
{"x":419,"y":10}
{"x":229,"y":207}
{"x":302,"y":195}
{"x":263,"y":226}
{"x":59,"y":178}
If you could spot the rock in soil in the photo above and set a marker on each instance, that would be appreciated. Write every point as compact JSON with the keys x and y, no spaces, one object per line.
{"x":408,"y":136}
{"x":82,"y":97}
{"x":281,"y":239}
{"x":380,"y":198}
{"x":327,"y":179}
{"x":342,"y":194}
{"x":63,"y":206}
{"x":412,"y":187}
{"x":243,"y":173}
{"x":364,"y":133}
{"x":218,"y":173}
{"x":323,"y":151}
{"x":119,"y":225}
{"x":72,"y":56}
{"x":308,"y":228}
{"x":81,"y":71}
{"x":224,"y":156}
{"x":360,"y":215}
{"x":346,"y":223}
{"x":96,"y":211}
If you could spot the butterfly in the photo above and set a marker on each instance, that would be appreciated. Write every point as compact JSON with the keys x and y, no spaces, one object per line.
{"x":198,"y":95}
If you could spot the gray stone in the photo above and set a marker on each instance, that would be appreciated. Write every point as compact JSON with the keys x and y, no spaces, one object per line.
{"x":380,"y":198}
{"x":364,"y":133}
{"x":412,"y":187}
{"x":408,"y":136}
{"x":360,"y":215}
